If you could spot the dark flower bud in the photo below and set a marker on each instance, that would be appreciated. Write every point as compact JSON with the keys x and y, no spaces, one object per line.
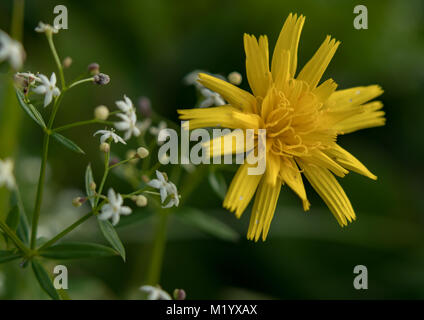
{"x":179,"y":294}
{"x":93,"y":68}
{"x":101,"y":79}
{"x":145,"y":107}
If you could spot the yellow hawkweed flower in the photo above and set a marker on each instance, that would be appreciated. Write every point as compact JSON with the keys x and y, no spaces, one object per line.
{"x":302,"y":120}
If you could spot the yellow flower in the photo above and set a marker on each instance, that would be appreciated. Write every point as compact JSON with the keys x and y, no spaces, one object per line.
{"x":302,"y":119}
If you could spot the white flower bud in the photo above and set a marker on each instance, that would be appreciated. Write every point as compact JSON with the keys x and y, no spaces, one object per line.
{"x":101,"y":112}
{"x":67,"y":62}
{"x":78,"y":201}
{"x":93,"y":186}
{"x":105,"y":147}
{"x":235,"y":78}
{"x":142,"y":152}
{"x":140,"y":201}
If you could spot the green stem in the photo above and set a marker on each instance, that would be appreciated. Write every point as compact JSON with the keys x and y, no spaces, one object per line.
{"x":17,"y":19}
{"x":66,"y":231}
{"x":107,"y":156}
{"x":19,"y":244}
{"x":121,"y":162}
{"x":40,"y":189}
{"x":159,"y":243}
{"x":49,"y":36}
{"x":81,"y":81}
{"x":82,"y":123}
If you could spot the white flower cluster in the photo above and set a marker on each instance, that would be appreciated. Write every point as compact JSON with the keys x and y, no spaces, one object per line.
{"x":128,"y":117}
{"x":114,"y":208}
{"x":155,"y":293}
{"x":210,"y":98}
{"x":166,"y":189}
{"x":11,"y":50}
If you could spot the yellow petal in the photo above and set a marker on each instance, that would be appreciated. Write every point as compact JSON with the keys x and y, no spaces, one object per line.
{"x":370,"y":116}
{"x":326,"y":185}
{"x":290,"y":174}
{"x":241,"y":190}
{"x":314,"y":69}
{"x":232,"y":143}
{"x":263,"y":209}
{"x":223,"y":116}
{"x":237,"y":97}
{"x":352,"y":97}
{"x":320,"y":159}
{"x":287,"y":40}
{"x":257,"y":64}
{"x":272,"y":168}
{"x":325,"y":90}
{"x":348,"y":161}
{"x":282,"y":74}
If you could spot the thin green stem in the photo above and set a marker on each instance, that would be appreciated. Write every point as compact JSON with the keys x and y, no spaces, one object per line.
{"x":56,"y":59}
{"x":9,"y":232}
{"x":106,"y":172}
{"x":91,"y":79}
{"x":66,"y":231}
{"x":40,"y":189}
{"x":121,"y":162}
{"x":159,"y":243}
{"x":17,"y":19}
{"x":82,"y":123}
{"x":129,"y":195}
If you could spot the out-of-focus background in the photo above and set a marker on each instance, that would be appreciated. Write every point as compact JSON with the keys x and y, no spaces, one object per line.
{"x":147,"y":47}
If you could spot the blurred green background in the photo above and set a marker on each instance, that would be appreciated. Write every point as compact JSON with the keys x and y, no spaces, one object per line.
{"x":147,"y":47}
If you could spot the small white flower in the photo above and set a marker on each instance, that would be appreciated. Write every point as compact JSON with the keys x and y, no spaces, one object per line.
{"x":126,"y":106}
{"x":44,"y":27}
{"x":128,"y":124}
{"x":106,"y":134}
{"x":166,"y":188}
{"x":175,"y":197}
{"x":29,"y":77}
{"x":11,"y":50}
{"x":48,"y":88}
{"x":114,"y":208}
{"x":211,"y":98}
{"x":6,"y":173}
{"x":155,"y":293}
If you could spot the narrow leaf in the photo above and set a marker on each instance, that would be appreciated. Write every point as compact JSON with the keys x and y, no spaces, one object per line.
{"x":30,"y":109}
{"x":218,"y":184}
{"x":77,"y":250}
{"x":206,"y":223}
{"x":6,"y":256}
{"x":13,"y":218}
{"x":67,"y":143}
{"x":110,"y":234}
{"x":44,"y":280}
{"x":88,"y":181}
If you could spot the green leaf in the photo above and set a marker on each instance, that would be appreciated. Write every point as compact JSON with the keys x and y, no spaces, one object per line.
{"x":218,"y":184}
{"x":13,"y":218}
{"x":30,"y":109}
{"x":206,"y":223}
{"x":6,"y":256}
{"x":44,"y":280}
{"x":77,"y":250}
{"x":67,"y":143}
{"x":23,"y":228}
{"x":110,"y":234}
{"x":88,"y":181}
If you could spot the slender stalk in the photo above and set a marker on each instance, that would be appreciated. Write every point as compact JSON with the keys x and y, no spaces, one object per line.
{"x":121,"y":162}
{"x":19,"y":244}
{"x":56,"y":59}
{"x":106,"y":172}
{"x":66,"y":231}
{"x":81,"y":81}
{"x":159,"y":243}
{"x":40,"y":189}
{"x":82,"y":123}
